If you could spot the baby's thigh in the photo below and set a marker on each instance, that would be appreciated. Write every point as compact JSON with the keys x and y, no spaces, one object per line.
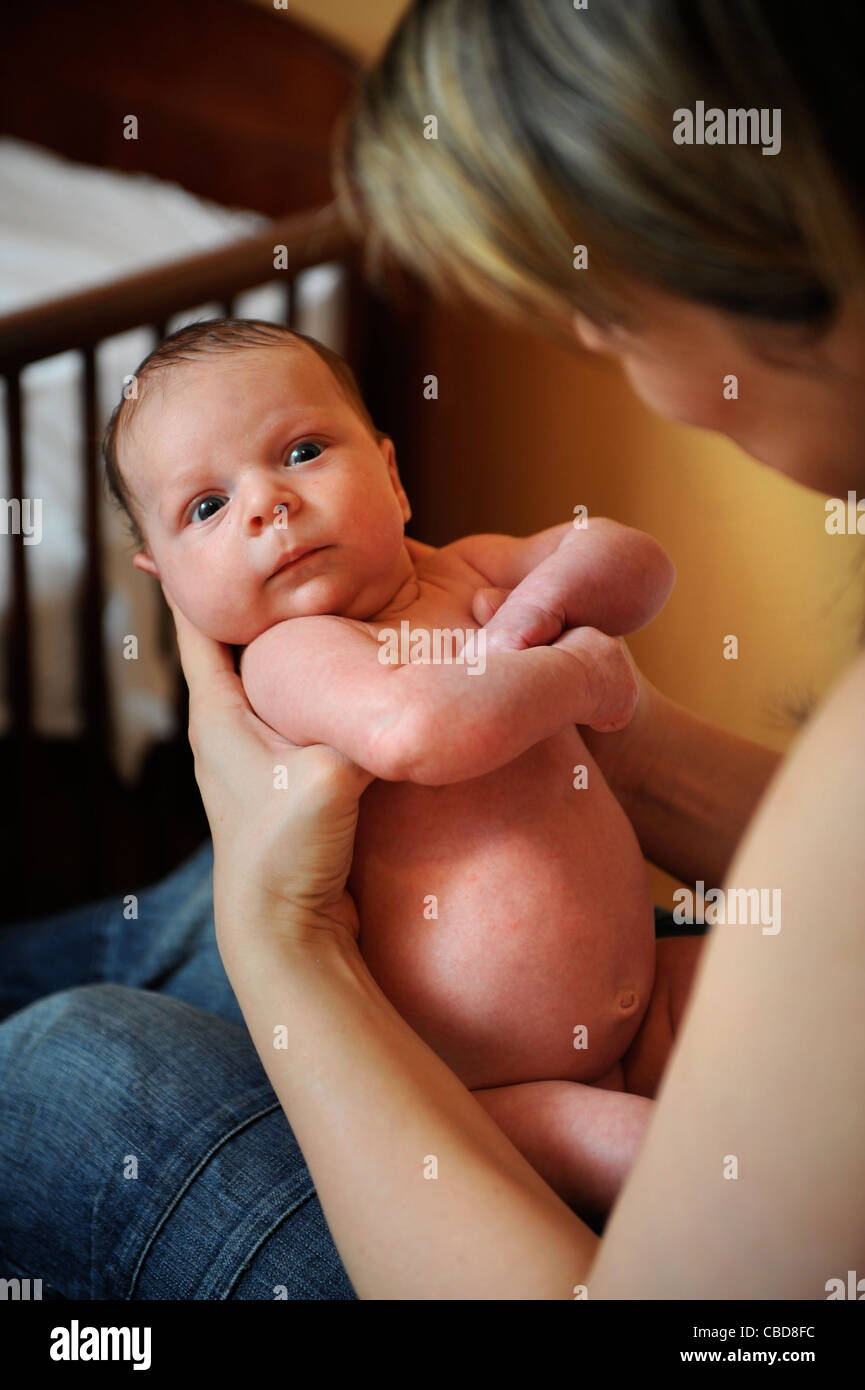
{"x":676,"y":967}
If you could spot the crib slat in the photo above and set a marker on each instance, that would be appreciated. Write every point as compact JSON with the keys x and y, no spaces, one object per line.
{"x":92,"y":677}
{"x":18,"y":650}
{"x":359,"y":323}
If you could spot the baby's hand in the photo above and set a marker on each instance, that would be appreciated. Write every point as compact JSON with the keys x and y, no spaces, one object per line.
{"x":522,"y":624}
{"x":610,"y":676}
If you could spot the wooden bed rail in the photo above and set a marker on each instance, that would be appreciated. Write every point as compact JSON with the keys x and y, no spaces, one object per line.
{"x":151,"y":296}
{"x":80,"y":322}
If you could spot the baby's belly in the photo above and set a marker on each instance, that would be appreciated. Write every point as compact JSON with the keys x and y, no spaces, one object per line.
{"x":508,"y":918}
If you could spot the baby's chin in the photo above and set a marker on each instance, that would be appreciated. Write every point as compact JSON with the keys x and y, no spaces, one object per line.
{"x":321,"y":598}
{"x":240,"y":635}
{"x":241,"y":632}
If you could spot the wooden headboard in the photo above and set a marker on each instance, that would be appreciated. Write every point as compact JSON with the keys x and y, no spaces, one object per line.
{"x":234,"y":102}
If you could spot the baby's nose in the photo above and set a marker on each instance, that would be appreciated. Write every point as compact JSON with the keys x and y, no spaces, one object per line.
{"x":271,"y":506}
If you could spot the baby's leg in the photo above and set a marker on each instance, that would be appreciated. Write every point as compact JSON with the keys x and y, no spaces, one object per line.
{"x":581,"y":1139}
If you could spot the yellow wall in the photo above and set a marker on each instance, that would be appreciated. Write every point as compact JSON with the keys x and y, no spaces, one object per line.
{"x":359,"y":25}
{"x":523,"y":431}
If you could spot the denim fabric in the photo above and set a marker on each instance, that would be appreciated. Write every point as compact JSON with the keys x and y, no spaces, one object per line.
{"x":169,"y":948}
{"x":143,"y":1153}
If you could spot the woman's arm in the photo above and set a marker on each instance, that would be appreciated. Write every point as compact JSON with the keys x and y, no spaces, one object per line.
{"x":688,"y":788}
{"x":423,"y":1194}
{"x":768,"y":1067}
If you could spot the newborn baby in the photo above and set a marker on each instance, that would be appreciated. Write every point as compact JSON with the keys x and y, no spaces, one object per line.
{"x":502,"y":895}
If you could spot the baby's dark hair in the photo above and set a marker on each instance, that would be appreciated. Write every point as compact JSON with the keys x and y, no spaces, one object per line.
{"x":197,"y":340}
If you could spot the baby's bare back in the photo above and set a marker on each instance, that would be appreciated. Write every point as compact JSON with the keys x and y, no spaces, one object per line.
{"x":504,"y":915}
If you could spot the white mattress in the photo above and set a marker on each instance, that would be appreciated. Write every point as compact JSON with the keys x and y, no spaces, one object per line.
{"x":66,"y":227}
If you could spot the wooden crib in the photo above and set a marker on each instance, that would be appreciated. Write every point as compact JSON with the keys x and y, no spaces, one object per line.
{"x":239,"y":106}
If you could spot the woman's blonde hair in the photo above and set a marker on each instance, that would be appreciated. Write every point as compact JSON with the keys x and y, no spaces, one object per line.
{"x":554,"y":128}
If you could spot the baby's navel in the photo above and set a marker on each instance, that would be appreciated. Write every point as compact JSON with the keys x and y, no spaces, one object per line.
{"x":627,"y":1001}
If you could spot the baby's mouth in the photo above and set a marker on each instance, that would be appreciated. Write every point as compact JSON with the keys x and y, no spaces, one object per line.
{"x":295,"y":558}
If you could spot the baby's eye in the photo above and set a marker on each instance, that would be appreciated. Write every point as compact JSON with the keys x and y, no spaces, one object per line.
{"x":205,"y":502}
{"x":301,"y":449}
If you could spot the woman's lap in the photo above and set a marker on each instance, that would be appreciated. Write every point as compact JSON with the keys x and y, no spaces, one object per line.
{"x":143,"y":1155}
{"x":142,"y":1057}
{"x":161,"y":939}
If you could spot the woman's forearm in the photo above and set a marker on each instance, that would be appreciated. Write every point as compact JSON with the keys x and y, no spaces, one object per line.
{"x":423,"y":1194}
{"x":688,"y":787}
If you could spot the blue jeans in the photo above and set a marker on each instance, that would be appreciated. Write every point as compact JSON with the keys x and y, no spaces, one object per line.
{"x":143,"y":1152}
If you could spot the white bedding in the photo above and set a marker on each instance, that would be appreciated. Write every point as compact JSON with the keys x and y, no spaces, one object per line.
{"x":66,"y":227}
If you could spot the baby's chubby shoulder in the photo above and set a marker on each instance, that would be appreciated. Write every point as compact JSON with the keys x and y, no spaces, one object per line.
{"x":456,"y":561}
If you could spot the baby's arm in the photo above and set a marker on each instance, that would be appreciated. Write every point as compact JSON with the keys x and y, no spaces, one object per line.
{"x":605,"y":575}
{"x":320,"y":680}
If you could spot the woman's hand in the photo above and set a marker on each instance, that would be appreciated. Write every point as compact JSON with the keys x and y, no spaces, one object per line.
{"x":282,"y":818}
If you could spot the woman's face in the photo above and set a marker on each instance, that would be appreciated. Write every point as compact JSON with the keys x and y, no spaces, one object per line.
{"x":798,"y":408}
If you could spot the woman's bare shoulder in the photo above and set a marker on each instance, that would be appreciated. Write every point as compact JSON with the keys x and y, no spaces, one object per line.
{"x":821,"y":784}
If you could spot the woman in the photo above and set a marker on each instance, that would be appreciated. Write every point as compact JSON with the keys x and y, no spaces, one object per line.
{"x":554,"y":129}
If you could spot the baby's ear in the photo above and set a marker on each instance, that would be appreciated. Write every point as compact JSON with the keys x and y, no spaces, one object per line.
{"x":389,"y":456}
{"x":142,"y":561}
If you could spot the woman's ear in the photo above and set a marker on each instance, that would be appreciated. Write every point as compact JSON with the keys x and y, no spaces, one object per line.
{"x":389,"y":455}
{"x":142,"y":561}
{"x":591,"y":335}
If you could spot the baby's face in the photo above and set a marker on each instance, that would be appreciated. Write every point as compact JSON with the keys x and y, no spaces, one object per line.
{"x":243,"y":460}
